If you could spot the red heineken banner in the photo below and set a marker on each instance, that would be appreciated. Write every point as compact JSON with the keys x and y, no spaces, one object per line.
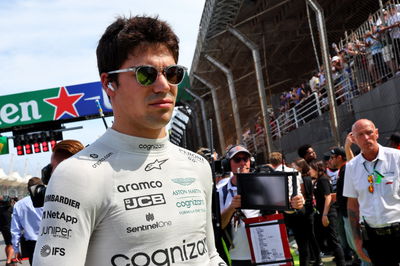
{"x":63,"y":103}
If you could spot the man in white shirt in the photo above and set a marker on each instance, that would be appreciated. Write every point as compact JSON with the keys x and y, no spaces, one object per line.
{"x":372,"y":181}
{"x":238,"y":159}
{"x":26,"y":222}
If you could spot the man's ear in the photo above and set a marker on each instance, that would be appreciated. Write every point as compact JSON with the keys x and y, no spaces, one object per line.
{"x":108,"y":86}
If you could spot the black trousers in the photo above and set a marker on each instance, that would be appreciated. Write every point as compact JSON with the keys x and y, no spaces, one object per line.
{"x":331,"y":236}
{"x":383,"y":250}
{"x":27,"y":249}
{"x":302,"y":225}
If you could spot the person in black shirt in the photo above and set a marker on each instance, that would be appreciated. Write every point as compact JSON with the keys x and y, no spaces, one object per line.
{"x":305,"y":238}
{"x":326,"y":215}
{"x":5,"y":226}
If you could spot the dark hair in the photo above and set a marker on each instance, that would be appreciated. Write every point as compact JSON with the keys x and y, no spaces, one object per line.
{"x":34,"y":181}
{"x":304,"y":167}
{"x":126,"y":34}
{"x":319,"y":167}
{"x":66,"y":148}
{"x":302,"y":151}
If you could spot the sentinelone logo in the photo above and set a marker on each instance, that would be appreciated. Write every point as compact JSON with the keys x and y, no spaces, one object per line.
{"x":144,"y":201}
{"x":164,"y":256}
{"x":146,"y":227}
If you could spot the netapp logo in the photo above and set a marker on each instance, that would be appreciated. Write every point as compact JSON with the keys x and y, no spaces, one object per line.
{"x":144,"y":201}
{"x":139,"y":186}
{"x":101,"y":160}
{"x":151,"y":146}
{"x":146,"y":227}
{"x":63,"y":200}
{"x":59,"y":216}
{"x":165,"y":256}
{"x":46,"y":251}
{"x":56,"y":231}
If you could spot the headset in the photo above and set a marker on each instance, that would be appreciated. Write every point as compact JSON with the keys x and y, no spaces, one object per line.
{"x":110,"y":86}
{"x":226,"y":166}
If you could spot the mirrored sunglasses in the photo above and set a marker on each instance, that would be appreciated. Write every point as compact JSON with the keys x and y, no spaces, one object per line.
{"x":147,"y":75}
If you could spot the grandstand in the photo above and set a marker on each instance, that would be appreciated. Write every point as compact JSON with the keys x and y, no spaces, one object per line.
{"x":287,"y":39}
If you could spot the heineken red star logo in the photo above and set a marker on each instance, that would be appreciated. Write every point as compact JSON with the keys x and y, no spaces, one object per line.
{"x":64,"y":103}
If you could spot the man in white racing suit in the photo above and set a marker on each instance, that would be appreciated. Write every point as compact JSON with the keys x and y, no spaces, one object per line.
{"x":132,"y":197}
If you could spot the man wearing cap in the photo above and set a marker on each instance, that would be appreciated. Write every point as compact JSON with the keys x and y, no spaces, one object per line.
{"x":371,"y":184}
{"x":238,"y":159}
{"x":338,"y":161}
{"x":394,"y":140}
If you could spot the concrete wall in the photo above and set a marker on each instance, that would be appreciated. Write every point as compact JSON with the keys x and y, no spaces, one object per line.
{"x":381,"y":105}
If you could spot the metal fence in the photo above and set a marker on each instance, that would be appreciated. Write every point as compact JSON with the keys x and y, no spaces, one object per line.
{"x":369,"y":56}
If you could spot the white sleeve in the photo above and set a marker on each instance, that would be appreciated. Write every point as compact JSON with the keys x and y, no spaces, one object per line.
{"x":349,"y":188}
{"x":16,"y":229}
{"x":215,"y":259}
{"x":69,"y":216}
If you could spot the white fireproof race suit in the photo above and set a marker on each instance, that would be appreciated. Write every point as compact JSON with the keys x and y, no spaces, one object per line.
{"x":126,"y":201}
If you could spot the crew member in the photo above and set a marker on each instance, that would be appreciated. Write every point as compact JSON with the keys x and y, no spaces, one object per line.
{"x":238,"y":158}
{"x":372,"y":187}
{"x":25,"y":224}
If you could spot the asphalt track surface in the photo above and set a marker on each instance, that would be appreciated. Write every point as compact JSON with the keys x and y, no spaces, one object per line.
{"x":3,"y":254}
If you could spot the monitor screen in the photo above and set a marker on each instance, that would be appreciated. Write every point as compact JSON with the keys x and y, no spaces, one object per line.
{"x":264,"y":191}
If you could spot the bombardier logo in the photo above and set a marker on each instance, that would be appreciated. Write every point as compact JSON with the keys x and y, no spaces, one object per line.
{"x":144,"y":201}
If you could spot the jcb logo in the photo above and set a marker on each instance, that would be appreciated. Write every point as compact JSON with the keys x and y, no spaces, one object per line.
{"x":144,"y":201}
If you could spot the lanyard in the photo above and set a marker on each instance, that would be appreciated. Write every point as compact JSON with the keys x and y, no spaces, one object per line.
{"x":378,"y":176}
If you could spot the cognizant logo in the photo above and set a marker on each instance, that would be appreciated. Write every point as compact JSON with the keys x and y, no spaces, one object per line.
{"x":151,"y":146}
{"x":165,"y":256}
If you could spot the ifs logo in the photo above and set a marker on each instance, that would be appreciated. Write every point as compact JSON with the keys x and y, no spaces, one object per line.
{"x":46,"y":251}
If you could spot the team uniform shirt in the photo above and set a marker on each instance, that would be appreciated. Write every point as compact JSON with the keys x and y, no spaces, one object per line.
{"x":25,"y":221}
{"x":240,"y":246}
{"x":290,"y":184}
{"x":333,"y":176}
{"x":382,"y":207}
{"x":127,"y":201}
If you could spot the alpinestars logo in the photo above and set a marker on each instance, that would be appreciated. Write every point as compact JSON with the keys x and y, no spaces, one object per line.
{"x":154,"y":165}
{"x":164,"y":256}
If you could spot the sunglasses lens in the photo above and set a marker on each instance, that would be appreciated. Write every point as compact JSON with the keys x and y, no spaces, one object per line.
{"x":175,"y":74}
{"x":239,"y":159}
{"x":146,"y":75}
